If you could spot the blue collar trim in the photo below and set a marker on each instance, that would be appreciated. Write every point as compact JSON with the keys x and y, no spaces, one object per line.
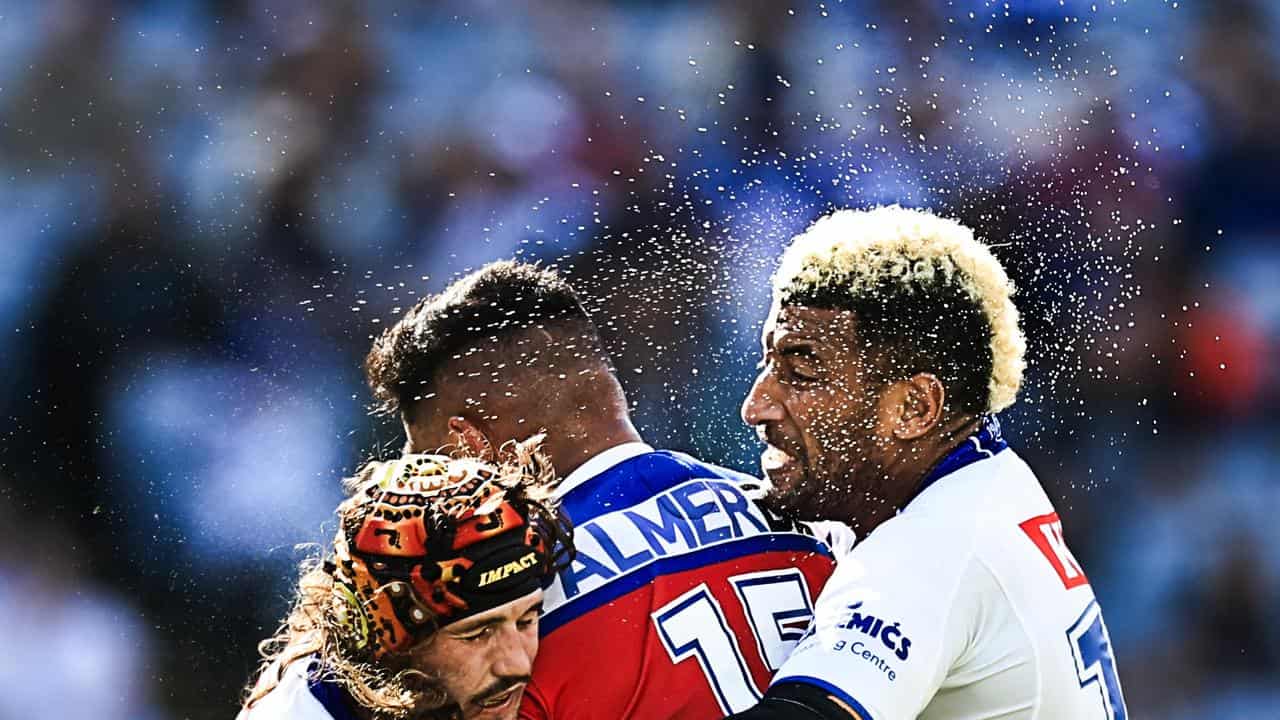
{"x":332,"y":697}
{"x":983,"y":444}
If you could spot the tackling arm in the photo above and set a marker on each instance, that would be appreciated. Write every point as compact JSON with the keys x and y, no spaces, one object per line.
{"x":798,"y":701}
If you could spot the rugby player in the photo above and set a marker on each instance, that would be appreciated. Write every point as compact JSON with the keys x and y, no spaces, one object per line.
{"x":428,"y":606}
{"x":891,"y":344}
{"x":684,"y":597}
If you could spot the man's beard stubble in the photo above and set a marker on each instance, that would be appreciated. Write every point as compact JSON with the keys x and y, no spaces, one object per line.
{"x":498,"y":687}
{"x":855,"y":494}
{"x":426,"y":709}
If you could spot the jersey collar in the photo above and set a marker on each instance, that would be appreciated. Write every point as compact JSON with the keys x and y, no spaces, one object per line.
{"x":330,"y":695}
{"x":598,"y":463}
{"x":983,"y":444}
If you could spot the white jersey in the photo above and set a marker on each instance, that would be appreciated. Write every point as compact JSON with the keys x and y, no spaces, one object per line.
{"x":966,"y":605}
{"x":299,"y":696}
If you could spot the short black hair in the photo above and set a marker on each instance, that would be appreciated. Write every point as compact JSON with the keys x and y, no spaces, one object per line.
{"x":491,"y":305}
{"x":908,"y":329}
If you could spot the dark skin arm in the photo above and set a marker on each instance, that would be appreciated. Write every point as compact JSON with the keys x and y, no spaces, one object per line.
{"x":798,"y":701}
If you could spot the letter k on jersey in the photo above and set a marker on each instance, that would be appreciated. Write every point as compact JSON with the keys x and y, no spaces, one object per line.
{"x":1046,"y":532}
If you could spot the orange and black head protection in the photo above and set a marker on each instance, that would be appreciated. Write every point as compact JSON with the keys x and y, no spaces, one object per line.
{"x":427,"y":540}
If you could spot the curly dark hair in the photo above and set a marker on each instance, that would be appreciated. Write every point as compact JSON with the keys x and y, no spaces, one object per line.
{"x":494,"y":304}
{"x":937,"y":328}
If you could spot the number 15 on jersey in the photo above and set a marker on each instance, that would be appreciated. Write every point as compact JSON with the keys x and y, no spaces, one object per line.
{"x":778,"y":609}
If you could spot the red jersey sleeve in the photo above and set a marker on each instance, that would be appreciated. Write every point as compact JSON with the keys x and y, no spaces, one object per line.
{"x":533,"y":704}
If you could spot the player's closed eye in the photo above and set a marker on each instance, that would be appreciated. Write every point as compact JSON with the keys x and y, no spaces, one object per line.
{"x":801,"y":363}
{"x":803,"y":373}
{"x":481,"y":634}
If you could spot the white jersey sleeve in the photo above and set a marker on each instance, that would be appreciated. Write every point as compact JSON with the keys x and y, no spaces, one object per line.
{"x":890,"y":624}
{"x":290,"y":699}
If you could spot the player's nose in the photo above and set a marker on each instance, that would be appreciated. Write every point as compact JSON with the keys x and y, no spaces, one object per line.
{"x":762,"y":404}
{"x":514,"y":658}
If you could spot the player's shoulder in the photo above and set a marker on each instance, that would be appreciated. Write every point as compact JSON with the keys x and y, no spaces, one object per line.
{"x":292,"y":698}
{"x":651,"y":471}
{"x":974,"y":496}
{"x":975,"y":515}
{"x":926,"y":546}
{"x":696,"y":468}
{"x":638,"y":475}
{"x":951,"y":522}
{"x":838,"y":537}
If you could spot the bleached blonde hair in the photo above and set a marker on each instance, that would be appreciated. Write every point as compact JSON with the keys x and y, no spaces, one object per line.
{"x":854,"y":253}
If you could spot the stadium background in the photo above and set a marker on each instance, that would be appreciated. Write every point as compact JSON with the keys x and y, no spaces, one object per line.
{"x":207,"y":209}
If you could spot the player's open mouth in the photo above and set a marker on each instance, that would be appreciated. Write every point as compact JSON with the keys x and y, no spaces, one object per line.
{"x":773,"y":460}
{"x":502,"y":700}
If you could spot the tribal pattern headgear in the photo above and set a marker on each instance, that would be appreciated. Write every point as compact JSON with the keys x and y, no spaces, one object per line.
{"x":427,"y":540}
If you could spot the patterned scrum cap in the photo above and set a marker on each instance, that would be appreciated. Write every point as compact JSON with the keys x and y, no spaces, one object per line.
{"x":428,"y":540}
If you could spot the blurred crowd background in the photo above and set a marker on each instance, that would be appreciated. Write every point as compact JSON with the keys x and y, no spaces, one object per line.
{"x":208,"y":209}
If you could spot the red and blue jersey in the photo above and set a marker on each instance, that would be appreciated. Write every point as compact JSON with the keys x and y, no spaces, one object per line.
{"x":684,"y":597}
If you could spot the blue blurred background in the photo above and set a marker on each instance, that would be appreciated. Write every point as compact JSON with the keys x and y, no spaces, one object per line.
{"x":207,"y":209}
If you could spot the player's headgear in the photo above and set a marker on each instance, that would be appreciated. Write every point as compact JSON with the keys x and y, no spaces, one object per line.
{"x":429,"y":540}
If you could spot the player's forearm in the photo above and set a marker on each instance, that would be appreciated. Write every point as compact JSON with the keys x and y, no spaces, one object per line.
{"x":798,"y":701}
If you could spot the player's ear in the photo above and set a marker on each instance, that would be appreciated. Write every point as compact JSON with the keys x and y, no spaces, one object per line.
{"x":469,"y":437}
{"x":922,"y":397}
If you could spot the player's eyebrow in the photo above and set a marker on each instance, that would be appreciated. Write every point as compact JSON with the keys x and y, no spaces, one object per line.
{"x":798,"y":349}
{"x":471,"y":627}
